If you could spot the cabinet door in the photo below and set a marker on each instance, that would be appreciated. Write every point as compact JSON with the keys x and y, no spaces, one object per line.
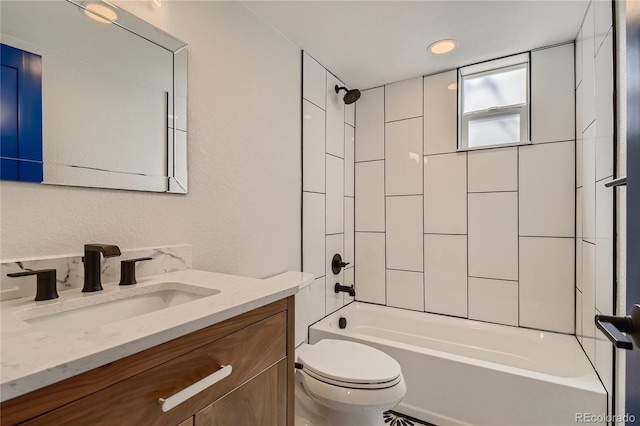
{"x":188,"y":422}
{"x":262,"y":401}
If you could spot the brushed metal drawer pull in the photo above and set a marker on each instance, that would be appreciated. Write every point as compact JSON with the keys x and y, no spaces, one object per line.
{"x":186,"y":393}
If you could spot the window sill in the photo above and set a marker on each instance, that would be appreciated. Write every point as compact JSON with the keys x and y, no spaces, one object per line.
{"x":502,"y":145}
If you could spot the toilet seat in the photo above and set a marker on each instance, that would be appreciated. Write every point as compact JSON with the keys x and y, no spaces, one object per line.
{"x":350,"y":365}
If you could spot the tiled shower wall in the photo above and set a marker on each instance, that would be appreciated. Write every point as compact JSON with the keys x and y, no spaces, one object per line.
{"x":487,"y":234}
{"x":595,"y":167}
{"x":328,"y":195}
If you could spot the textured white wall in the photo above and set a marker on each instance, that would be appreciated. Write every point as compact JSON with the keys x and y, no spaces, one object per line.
{"x":242,"y":213}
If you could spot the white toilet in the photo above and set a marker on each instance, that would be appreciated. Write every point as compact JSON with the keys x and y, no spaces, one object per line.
{"x":343,"y":383}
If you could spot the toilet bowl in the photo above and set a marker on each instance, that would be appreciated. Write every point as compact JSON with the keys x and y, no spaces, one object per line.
{"x":342,"y":383}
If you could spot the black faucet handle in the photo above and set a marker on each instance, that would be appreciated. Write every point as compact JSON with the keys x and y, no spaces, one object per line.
{"x":45,"y":285}
{"x":107,"y":250}
{"x":337,"y":264}
{"x":128,"y":270}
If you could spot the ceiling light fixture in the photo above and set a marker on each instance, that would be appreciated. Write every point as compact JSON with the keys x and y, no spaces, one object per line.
{"x":100,"y":12}
{"x":442,"y":46}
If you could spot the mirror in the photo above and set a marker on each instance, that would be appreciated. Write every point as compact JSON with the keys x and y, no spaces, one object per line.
{"x":114,"y":94}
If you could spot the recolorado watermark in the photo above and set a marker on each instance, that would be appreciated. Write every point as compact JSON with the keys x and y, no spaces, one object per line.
{"x":605,"y":418}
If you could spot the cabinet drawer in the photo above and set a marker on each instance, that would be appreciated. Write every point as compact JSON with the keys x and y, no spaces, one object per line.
{"x":135,"y":401}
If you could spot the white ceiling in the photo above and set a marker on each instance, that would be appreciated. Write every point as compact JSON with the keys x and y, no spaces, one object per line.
{"x":370,"y":43}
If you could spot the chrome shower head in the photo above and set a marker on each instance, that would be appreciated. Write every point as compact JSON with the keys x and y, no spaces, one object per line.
{"x":351,"y":96}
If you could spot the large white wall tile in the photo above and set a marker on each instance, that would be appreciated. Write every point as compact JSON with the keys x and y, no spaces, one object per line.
{"x":370,"y":125}
{"x":553,"y":94}
{"x":404,"y":233}
{"x":579,"y":238}
{"x":589,"y":185}
{"x":369,"y":197}
{"x":493,"y":170}
{"x":349,"y":164}
{"x":405,"y":290}
{"x":445,"y":268}
{"x":604,"y":88}
{"x":313,"y":233}
{"x":547,"y":190}
{"x":403,"y":99}
{"x":403,"y":157}
{"x":604,"y":211}
{"x":350,"y":114}
{"x":313,"y":150}
{"x":588,"y":298}
{"x":302,"y":314}
{"x":588,"y":72}
{"x":335,"y":194}
{"x":334,"y":245}
{"x":317,"y":309}
{"x":440,"y":113}
{"x":604,"y":276}
{"x":604,"y":109}
{"x":335,"y":117}
{"x":349,"y":280}
{"x":493,"y":235}
{"x":604,"y":361}
{"x":349,"y":238}
{"x":547,"y":287}
{"x":445,"y":194}
{"x":579,"y":61}
{"x":334,"y":300}
{"x":579,"y":314}
{"x":603,"y":21}
{"x":493,"y":300}
{"x":370,"y":267}
{"x":314,"y":81}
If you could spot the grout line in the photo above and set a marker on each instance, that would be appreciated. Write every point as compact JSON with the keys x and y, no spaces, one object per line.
{"x":518,"y":214}
{"x":368,"y":161}
{"x":467,"y":218}
{"x":314,"y":192}
{"x":333,"y":155}
{"x":544,"y":236}
{"x":402,"y":119}
{"x":384,"y":171}
{"x":424,"y":266}
{"x":404,"y":270}
{"x":443,"y":233}
{"x":494,"y":279}
{"x":403,"y":195}
{"x":314,"y":104}
{"x":490,"y":192}
{"x":608,"y":177}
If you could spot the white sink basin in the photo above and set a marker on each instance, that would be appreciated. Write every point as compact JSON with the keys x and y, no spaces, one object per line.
{"x":95,"y":310}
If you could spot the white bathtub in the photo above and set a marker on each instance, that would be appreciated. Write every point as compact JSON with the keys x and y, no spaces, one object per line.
{"x":462,"y":372}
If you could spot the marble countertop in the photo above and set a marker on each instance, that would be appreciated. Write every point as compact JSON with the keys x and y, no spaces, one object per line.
{"x":32,"y":358}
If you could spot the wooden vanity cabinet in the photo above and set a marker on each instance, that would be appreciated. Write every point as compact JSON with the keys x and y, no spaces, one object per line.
{"x":259,"y":391}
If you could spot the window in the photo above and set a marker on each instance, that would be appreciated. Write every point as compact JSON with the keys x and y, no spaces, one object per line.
{"x":493,"y":103}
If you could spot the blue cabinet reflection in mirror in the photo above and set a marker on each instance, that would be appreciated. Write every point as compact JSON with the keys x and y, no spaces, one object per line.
{"x":21,"y":115}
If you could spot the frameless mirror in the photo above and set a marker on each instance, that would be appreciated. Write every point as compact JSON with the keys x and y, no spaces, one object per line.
{"x":114,"y":94}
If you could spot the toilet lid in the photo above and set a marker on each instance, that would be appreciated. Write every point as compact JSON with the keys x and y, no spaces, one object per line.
{"x":349,"y":362}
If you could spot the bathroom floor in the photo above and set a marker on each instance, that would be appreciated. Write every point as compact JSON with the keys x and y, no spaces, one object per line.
{"x":393,"y":418}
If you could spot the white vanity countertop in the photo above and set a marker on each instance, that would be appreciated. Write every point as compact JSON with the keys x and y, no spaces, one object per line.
{"x":32,"y":358}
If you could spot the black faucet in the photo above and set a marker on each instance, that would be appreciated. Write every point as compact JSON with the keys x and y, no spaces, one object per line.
{"x":346,"y":288}
{"x":92,"y":267}
{"x":46,"y":284}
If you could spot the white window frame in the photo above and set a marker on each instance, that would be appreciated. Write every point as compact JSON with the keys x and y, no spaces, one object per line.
{"x":523,"y":110}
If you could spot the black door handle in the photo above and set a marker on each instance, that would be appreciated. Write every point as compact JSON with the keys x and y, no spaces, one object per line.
{"x":614,"y":326}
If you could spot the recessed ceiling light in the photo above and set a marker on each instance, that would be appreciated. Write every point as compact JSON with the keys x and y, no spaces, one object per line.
{"x":442,"y":46}
{"x":452,"y":86}
{"x":101,"y":13}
